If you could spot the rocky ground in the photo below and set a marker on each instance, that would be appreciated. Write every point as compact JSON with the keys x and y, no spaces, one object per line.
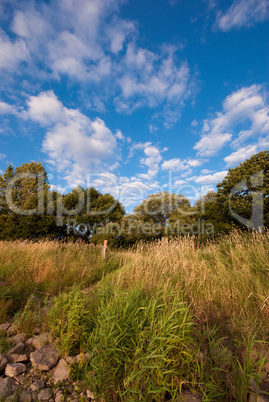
{"x":32,"y":370}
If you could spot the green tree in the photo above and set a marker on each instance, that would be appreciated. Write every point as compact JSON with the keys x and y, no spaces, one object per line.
{"x":97,"y":211}
{"x":209,"y":212}
{"x":160,"y":207}
{"x":243,"y":194}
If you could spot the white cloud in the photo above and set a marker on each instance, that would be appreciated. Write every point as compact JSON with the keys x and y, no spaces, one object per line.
{"x":88,"y":42}
{"x":247,"y":106}
{"x":240,"y":155}
{"x":243,"y":13}
{"x":119,"y":135}
{"x":210,"y":144}
{"x":6,"y":108}
{"x":211,"y":178}
{"x":155,"y":80}
{"x":118,"y":32}
{"x":2,"y":156}
{"x":45,"y":108}
{"x":152,"y":160}
{"x":11,"y":52}
{"x":75,"y":144}
{"x":153,"y":77}
{"x":176,"y":164}
{"x":70,"y":37}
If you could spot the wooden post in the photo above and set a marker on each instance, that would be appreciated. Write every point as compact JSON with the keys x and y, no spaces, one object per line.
{"x":104,"y":250}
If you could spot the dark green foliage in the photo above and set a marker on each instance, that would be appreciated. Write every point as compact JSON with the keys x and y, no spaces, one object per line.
{"x":30,"y":210}
{"x":245,"y":191}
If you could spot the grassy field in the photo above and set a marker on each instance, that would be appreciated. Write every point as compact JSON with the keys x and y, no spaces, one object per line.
{"x":156,"y":320}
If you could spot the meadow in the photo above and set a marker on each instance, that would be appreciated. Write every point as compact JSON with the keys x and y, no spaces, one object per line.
{"x":157,"y":319}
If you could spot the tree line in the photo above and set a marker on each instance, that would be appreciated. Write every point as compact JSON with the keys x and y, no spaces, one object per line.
{"x":30,"y":209}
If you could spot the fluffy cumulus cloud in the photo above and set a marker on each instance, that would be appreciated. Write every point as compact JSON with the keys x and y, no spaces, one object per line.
{"x":177,"y":165}
{"x":240,"y":155}
{"x":151,"y":158}
{"x":247,"y":108}
{"x":211,"y":178}
{"x":243,"y":13}
{"x":75,"y":144}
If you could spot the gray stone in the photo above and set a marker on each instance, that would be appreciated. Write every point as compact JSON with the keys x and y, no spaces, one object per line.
{"x":41,"y":340}
{"x":71,"y":359}
{"x":11,"y":330}
{"x":20,"y":338}
{"x":37,"y":385}
{"x":44,"y":358}
{"x":61,"y":371}
{"x":25,"y":396}
{"x":3,"y":362}
{"x":254,"y":387}
{"x":29,"y":341}
{"x":187,"y":396}
{"x":16,"y":358}
{"x":4,"y":327}
{"x":14,"y":384}
{"x":14,"y":369}
{"x":59,"y":397}
{"x":257,"y":398}
{"x":17,"y":349}
{"x":45,"y":394}
{"x":5,"y":387}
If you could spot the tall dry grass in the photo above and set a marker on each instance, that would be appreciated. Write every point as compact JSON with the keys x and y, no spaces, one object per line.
{"x":147,"y":315}
{"x":47,"y":268}
{"x":224,"y":283}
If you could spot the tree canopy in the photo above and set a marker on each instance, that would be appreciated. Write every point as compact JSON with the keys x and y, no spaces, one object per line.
{"x":30,"y":209}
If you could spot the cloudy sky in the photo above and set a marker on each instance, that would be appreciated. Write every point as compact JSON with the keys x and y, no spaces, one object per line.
{"x":134,"y":97}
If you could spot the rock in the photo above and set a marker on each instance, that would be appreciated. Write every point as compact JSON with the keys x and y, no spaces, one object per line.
{"x":16,"y":358}
{"x":37,"y":385}
{"x":14,"y":369}
{"x":257,"y":398}
{"x":20,"y":338}
{"x":83,"y":357}
{"x":61,"y":371}
{"x":4,"y":327}
{"x":44,"y":358}
{"x":25,"y":396}
{"x":90,"y":394}
{"x":59,"y":397}
{"x":187,"y":396}
{"x":5,"y":387}
{"x":12,"y":330}
{"x":45,"y":394}
{"x":71,"y":359}
{"x":29,"y":342}
{"x":17,"y":349}
{"x":41,"y":340}
{"x":21,"y":378}
{"x":14,"y":385}
{"x":254,"y":387}
{"x":34,"y":396}
{"x":3,"y":362}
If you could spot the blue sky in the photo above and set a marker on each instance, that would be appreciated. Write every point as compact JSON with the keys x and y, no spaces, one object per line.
{"x":134,"y":97}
